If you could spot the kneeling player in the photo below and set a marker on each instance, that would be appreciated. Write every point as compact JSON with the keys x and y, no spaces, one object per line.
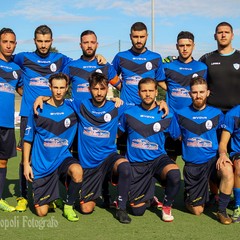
{"x":145,"y":151}
{"x":231,"y":132}
{"x":199,"y":124}
{"x":48,"y":138}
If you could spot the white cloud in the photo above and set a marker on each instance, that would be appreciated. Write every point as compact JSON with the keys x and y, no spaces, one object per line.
{"x":166,"y":8}
{"x":57,"y":10}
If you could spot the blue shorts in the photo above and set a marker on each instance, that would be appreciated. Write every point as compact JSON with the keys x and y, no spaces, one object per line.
{"x":93,"y":178}
{"x":7,"y":143}
{"x":144,"y":176}
{"x":196,"y":181}
{"x":46,"y":189}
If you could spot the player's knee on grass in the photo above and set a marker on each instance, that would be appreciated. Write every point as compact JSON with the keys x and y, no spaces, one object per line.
{"x":196,"y":210}
{"x":139,"y":211}
{"x":87,"y":208}
{"x":42,"y":211}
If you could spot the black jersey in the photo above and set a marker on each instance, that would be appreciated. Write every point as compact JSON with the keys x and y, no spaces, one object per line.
{"x":223,"y":79}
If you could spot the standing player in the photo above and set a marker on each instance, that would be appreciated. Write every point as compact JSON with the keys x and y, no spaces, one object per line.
{"x":223,"y":73}
{"x":97,"y":131}
{"x":223,"y":70}
{"x":79,"y":70}
{"x":48,"y":137}
{"x":37,"y":67}
{"x":177,"y":83}
{"x":231,"y":132}
{"x":137,"y":63}
{"x":145,"y":151}
{"x":133,"y":65}
{"x":10,"y":74}
{"x":199,"y":123}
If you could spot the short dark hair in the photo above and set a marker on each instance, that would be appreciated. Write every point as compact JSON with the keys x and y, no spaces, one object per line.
{"x":96,"y":78}
{"x":42,"y":29}
{"x":198,"y":80}
{"x":6,"y":30}
{"x":147,"y":80}
{"x":223,"y":24}
{"x":185,"y":34}
{"x":138,"y":26}
{"x":58,"y":76}
{"x":87,"y":32}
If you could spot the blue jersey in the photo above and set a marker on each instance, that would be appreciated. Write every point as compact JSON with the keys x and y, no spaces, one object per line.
{"x":232,"y":125}
{"x":146,"y":132}
{"x":199,"y":133}
{"x":10,"y":79}
{"x":133,"y":67}
{"x":178,"y":76}
{"x":97,"y":131}
{"x":51,"y":133}
{"x":36,"y":71}
{"x":79,"y":72}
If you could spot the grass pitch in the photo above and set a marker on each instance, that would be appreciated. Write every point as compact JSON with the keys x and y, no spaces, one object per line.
{"x":101,"y":224}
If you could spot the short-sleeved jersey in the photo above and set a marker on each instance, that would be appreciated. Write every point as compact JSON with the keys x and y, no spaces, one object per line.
{"x":79,"y":72}
{"x":178,"y":76}
{"x":199,"y":133}
{"x":232,"y":125}
{"x":10,"y":79}
{"x":146,"y":132}
{"x":133,"y":67}
{"x":36,"y":71}
{"x":51,"y":133}
{"x":223,"y":79}
{"x":97,"y":131}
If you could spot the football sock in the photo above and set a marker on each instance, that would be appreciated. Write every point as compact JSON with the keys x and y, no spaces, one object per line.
{"x":3,"y":174}
{"x":224,"y":199}
{"x":23,"y":182}
{"x":124,"y":180}
{"x":236,"y":192}
{"x":73,"y":192}
{"x":105,"y":189}
{"x":173,"y":180}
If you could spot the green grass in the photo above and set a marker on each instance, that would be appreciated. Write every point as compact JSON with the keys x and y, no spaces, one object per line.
{"x":101,"y":224}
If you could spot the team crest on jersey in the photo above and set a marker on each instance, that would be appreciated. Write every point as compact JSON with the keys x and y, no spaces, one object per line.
{"x":53,"y":67}
{"x":67,"y":122}
{"x":99,"y":71}
{"x":194,"y":75}
{"x":149,"y":66}
{"x":209,"y":124}
{"x":236,"y":66}
{"x":107,"y":117}
{"x":156,"y":127}
{"x":15,"y":75}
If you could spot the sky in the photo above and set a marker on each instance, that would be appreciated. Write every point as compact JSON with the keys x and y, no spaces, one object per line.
{"x":111,"y":21}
